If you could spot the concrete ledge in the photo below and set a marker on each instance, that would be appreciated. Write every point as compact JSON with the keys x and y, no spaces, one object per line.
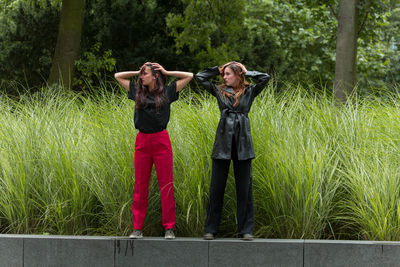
{"x":351,"y":253}
{"x":38,"y":250}
{"x":260,"y":252}
{"x":68,"y":251}
{"x":11,"y":251}
{"x":161,"y":252}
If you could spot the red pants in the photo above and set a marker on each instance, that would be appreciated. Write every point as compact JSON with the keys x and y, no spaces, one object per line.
{"x":153,"y":148}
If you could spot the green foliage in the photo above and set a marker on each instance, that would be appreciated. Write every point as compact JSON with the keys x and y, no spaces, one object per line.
{"x":94,"y":65}
{"x":373,"y":44}
{"x":66,"y":165}
{"x":135,"y":31}
{"x":287,"y":39}
{"x":394,"y":44}
{"x":294,"y":40}
{"x":290,"y":40}
{"x":209,"y":29}
{"x":28,"y":32}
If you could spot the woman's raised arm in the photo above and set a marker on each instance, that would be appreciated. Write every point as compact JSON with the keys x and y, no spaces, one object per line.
{"x":261,"y":80}
{"x":184,"y":77}
{"x":204,"y":76}
{"x":123,"y":77}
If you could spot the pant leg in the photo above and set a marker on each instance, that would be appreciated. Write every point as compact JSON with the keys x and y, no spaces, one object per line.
{"x":163,"y":162}
{"x":143,"y":166}
{"x":244,"y":195}
{"x":220,"y":169}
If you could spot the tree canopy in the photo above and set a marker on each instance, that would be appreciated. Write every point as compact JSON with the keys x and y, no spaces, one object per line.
{"x":292,"y":40}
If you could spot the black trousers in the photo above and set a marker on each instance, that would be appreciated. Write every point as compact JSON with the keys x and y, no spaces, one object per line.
{"x":244,"y":195}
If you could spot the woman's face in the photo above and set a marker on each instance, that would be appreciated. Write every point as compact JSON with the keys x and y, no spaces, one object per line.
{"x":147,"y":77}
{"x":230,"y":77}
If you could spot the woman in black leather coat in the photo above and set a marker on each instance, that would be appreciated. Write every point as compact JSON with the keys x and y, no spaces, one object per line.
{"x":232,"y":142}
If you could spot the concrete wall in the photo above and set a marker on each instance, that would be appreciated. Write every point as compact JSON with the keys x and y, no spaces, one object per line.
{"x":35,"y":250}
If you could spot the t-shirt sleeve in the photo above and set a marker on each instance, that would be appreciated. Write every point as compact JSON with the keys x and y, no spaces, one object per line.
{"x":171,"y":92}
{"x":132,"y":91}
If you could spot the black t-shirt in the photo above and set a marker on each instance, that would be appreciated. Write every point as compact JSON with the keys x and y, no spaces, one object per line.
{"x":147,"y":119}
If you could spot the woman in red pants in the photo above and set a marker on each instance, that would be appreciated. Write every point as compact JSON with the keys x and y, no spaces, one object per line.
{"x":152,"y":111}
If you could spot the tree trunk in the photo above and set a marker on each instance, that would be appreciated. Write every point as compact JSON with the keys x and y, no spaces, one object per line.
{"x":346,"y":49}
{"x":68,"y":43}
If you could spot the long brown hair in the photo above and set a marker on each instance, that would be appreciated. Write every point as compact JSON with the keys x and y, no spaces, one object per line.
{"x":239,"y":89}
{"x":143,"y":91}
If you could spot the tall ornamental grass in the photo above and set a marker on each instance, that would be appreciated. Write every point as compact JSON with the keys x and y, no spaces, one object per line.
{"x":66,"y":165}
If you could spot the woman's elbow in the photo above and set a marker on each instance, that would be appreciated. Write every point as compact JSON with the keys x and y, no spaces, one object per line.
{"x":189,"y":76}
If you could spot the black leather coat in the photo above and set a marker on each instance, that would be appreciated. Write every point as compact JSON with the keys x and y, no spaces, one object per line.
{"x":234,"y":124}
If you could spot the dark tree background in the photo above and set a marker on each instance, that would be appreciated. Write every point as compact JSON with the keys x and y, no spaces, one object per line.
{"x":295,"y":41}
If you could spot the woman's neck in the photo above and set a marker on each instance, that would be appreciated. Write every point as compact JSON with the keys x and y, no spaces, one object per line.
{"x":150,"y":87}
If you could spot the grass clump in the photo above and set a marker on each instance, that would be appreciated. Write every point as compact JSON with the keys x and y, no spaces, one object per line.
{"x":66,"y":165}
